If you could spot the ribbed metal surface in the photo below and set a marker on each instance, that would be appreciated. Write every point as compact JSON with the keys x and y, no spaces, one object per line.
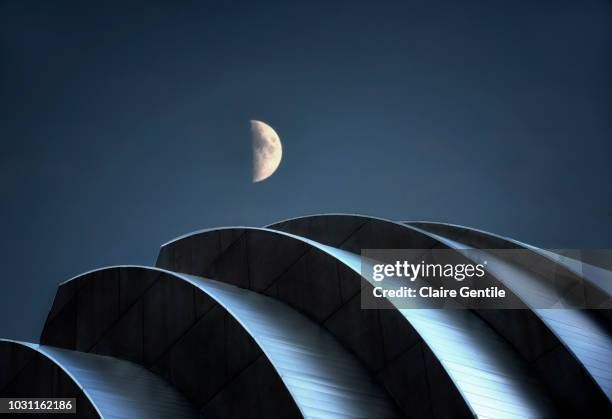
{"x":312,"y":278}
{"x":324,"y":379}
{"x":600,"y":277}
{"x":488,"y":373}
{"x":116,"y":388}
{"x":587,"y":339}
{"x":578,"y":330}
{"x":492,"y":377}
{"x":467,"y":359}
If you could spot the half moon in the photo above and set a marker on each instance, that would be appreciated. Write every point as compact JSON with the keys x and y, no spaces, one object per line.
{"x":267,"y":150}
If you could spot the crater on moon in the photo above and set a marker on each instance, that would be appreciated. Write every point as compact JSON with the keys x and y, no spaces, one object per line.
{"x":267,"y":150}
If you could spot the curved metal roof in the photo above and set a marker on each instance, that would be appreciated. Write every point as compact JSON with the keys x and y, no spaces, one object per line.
{"x":543,"y":337}
{"x":586,"y":336}
{"x":599,"y":278}
{"x":314,"y":279}
{"x":487,"y":344}
{"x":323,"y":378}
{"x":491,"y":377}
{"x":115,"y":388}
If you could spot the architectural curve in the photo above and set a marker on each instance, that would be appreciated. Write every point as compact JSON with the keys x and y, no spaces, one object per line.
{"x":265,"y":344}
{"x":280,"y":331}
{"x":537,"y":335}
{"x":571,"y":326}
{"x":104,"y":387}
{"x":542,"y":261}
{"x":509,"y":385}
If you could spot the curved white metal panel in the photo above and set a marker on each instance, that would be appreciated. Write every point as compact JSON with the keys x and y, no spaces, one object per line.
{"x":117,"y":388}
{"x":598,"y":277}
{"x":507,"y":389}
{"x":492,"y":377}
{"x":323,"y":378}
{"x":585,"y":337}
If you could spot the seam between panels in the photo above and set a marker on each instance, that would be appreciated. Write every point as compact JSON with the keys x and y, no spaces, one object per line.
{"x":184,"y":333}
{"x":121,"y":314}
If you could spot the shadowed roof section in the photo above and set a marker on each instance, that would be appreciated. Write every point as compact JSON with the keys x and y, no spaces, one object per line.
{"x":468,"y":346}
{"x":540,"y":260}
{"x":104,"y":386}
{"x":324,"y":378}
{"x":280,"y":332}
{"x":541,"y":340}
{"x":309,"y":277}
{"x":263,"y":341}
{"x":586,"y":333}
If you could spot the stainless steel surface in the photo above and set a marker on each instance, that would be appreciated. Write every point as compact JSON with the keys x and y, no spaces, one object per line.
{"x":583,"y":334}
{"x":282,"y":322}
{"x":540,"y":335}
{"x":307,"y":276}
{"x":324,"y":379}
{"x":492,"y":378}
{"x":117,"y":388}
{"x":599,"y":277}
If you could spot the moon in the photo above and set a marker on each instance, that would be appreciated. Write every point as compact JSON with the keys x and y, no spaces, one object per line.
{"x":267,"y":150}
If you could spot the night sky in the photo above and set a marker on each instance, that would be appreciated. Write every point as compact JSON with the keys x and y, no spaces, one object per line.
{"x":124,"y":126}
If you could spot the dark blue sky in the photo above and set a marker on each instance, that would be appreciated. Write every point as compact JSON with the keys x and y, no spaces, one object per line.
{"x":125,"y":126}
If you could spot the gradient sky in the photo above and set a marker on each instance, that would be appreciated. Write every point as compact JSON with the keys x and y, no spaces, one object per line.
{"x":125,"y":126}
